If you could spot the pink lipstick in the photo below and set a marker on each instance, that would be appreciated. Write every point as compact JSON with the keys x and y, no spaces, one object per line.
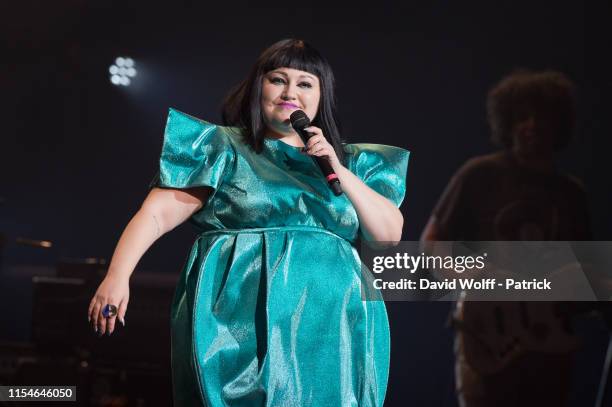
{"x":288,"y":105}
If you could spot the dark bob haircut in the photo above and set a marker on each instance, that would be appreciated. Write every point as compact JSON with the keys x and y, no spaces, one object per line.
{"x":242,"y":106}
{"x":523,"y":94}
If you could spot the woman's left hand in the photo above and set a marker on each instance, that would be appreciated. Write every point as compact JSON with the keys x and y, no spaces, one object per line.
{"x":319,"y":146}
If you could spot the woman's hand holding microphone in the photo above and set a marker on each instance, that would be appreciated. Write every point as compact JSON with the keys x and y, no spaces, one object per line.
{"x":318,"y":146}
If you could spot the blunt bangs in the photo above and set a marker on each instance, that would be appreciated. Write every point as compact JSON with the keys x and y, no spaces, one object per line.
{"x":296,"y":55}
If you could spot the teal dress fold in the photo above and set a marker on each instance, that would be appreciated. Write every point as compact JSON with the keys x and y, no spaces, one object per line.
{"x":268,"y":310}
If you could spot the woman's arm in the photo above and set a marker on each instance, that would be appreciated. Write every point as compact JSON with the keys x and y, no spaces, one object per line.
{"x":380,"y":220}
{"x":161,"y":211}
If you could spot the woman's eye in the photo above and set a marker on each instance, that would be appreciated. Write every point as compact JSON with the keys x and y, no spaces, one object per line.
{"x":278,"y":80}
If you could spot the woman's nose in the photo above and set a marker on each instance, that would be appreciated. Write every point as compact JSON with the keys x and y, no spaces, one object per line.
{"x":289,"y":93}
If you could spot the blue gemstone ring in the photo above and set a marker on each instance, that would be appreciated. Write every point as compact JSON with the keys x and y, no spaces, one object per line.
{"x":109,"y":310}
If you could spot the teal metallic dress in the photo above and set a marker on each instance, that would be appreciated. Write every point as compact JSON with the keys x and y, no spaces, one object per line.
{"x":268,"y":310}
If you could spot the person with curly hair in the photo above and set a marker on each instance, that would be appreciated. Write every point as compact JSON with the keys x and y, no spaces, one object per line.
{"x":514,"y":194}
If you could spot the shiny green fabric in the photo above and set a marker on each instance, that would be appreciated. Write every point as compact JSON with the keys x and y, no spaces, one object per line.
{"x":268,"y":310}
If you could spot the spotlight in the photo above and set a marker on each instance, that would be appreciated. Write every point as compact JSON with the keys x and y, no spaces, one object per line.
{"x":121,"y":72}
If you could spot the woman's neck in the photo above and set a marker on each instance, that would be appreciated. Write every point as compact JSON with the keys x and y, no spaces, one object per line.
{"x":290,"y":138}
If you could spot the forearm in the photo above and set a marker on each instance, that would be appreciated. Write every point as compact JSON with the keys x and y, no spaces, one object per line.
{"x":142,"y":231}
{"x":380,"y":220}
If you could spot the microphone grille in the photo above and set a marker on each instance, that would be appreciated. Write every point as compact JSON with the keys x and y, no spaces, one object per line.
{"x":299,"y":120}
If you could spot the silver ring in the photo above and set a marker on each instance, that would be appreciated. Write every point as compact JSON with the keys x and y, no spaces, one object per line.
{"x":109,"y":310}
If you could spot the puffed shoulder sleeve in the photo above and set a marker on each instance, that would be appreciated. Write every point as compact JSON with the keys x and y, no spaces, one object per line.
{"x":383,"y":168}
{"x":195,"y":153}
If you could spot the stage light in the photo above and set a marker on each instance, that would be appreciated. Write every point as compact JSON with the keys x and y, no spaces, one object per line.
{"x":122,"y":71}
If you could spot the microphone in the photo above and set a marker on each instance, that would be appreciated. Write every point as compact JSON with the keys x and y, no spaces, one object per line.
{"x":299,"y":121}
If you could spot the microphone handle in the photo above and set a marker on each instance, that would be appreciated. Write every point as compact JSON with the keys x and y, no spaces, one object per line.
{"x":324,"y":166}
{"x":330,"y":175}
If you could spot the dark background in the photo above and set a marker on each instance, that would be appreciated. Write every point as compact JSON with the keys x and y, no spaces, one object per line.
{"x":77,"y":153}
